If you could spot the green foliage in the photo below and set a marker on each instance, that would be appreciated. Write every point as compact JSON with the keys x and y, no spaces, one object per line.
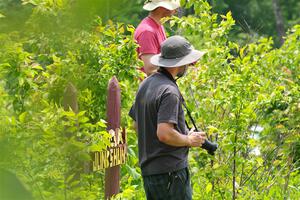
{"x":256,"y":18}
{"x":48,"y":147}
{"x":235,"y":89}
{"x":245,"y":97}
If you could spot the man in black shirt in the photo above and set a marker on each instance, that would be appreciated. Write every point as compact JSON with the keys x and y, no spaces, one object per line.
{"x":163,"y":138}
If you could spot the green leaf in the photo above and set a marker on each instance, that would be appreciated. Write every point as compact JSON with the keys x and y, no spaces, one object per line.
{"x":208,"y":188}
{"x":81,"y":113}
{"x":74,"y":183}
{"x":21,"y":81}
{"x":83,"y":119}
{"x":212,"y":129}
{"x":96,"y":147}
{"x":82,"y":156}
{"x":22,"y":117}
{"x":33,"y":2}
{"x":102,"y":123}
{"x":223,"y":16}
{"x":37,"y":67}
{"x":69,"y":113}
{"x":70,"y":178}
{"x":259,"y":161}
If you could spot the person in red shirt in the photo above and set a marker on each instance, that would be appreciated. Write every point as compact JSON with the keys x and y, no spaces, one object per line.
{"x":150,"y":32}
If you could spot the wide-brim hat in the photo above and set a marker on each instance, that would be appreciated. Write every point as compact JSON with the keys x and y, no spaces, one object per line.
{"x":176,"y":51}
{"x":168,"y":4}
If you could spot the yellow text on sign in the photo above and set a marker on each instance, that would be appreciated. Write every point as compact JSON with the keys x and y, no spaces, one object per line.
{"x":112,"y":157}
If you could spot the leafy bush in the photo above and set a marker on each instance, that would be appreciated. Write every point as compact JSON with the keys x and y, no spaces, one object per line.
{"x":245,"y":97}
{"x":51,"y":146}
{"x":235,"y":90}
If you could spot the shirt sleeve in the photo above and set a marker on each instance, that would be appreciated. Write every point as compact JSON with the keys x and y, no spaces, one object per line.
{"x":169,"y":109}
{"x":132,"y":112}
{"x":148,"y":43}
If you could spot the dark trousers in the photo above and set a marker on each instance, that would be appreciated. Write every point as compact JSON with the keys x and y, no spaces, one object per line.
{"x":169,"y":186}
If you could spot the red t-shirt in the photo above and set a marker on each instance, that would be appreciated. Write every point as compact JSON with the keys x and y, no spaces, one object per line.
{"x":149,"y":35}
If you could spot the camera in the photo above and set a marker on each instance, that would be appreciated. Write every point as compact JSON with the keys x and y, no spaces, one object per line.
{"x":210,"y":147}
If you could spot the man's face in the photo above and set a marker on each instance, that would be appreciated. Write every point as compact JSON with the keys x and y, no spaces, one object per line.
{"x":167,"y":13}
{"x":182,"y":71}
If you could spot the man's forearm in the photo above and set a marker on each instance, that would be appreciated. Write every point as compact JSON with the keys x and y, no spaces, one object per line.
{"x":167,"y":134}
{"x":174,"y":138}
{"x":150,"y":69}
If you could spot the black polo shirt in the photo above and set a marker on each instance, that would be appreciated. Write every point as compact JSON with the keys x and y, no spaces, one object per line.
{"x":158,"y":100}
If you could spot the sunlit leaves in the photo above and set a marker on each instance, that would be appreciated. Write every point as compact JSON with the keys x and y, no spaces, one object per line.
{"x":235,"y":87}
{"x":34,"y":73}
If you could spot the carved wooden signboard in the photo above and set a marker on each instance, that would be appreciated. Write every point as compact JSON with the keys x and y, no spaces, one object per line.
{"x":114,"y":155}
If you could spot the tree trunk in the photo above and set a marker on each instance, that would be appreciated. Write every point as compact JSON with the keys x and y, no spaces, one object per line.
{"x":279,"y":20}
{"x":287,"y":178}
{"x":234,"y":174}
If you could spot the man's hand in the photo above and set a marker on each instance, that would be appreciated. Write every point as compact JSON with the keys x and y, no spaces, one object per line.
{"x":196,"y":139}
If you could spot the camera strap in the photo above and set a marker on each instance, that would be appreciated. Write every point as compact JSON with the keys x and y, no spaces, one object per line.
{"x":170,"y":77}
{"x":207,"y":145}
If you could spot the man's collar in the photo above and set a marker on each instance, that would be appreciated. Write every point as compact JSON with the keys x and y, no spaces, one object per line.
{"x":154,"y":21}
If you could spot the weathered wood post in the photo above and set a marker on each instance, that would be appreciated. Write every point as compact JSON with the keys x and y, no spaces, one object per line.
{"x":112,"y":174}
{"x":70,"y":98}
{"x":70,"y":103}
{"x":115,"y":154}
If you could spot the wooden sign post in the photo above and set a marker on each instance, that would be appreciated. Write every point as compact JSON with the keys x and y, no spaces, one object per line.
{"x":115,"y":155}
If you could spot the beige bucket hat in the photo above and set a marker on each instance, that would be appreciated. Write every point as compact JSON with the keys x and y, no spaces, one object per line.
{"x":168,"y":4}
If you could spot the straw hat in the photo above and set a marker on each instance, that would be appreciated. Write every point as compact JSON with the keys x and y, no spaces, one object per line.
{"x":168,"y":4}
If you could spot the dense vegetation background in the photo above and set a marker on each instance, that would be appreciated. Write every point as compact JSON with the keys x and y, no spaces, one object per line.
{"x":244,"y":94}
